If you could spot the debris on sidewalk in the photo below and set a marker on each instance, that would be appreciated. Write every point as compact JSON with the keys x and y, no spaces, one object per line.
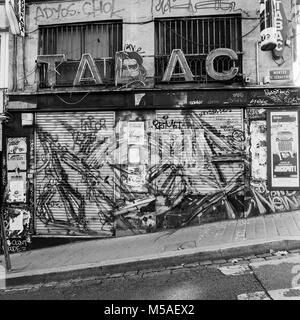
{"x":281,"y":253}
{"x":253,"y":296}
{"x":235,"y":270}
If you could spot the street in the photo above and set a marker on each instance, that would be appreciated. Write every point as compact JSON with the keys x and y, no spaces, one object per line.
{"x":274,"y":279}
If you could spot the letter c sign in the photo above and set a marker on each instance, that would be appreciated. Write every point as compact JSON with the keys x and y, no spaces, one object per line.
{"x":225,"y":75}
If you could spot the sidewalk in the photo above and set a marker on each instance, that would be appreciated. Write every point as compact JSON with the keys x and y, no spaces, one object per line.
{"x":221,"y":240}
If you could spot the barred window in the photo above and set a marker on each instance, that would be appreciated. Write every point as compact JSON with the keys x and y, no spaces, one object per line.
{"x":101,"y":40}
{"x":196,"y":37}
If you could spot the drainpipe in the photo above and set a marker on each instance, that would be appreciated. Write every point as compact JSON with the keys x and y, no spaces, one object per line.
{"x":257,"y":62}
{"x":14,"y":64}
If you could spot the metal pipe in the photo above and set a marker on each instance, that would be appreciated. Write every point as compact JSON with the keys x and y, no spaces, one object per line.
{"x":257,"y":62}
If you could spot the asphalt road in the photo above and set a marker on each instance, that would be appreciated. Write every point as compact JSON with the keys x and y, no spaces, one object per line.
{"x":187,"y":284}
{"x":269,"y":280}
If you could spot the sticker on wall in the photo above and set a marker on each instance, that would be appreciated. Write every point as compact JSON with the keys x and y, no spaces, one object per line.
{"x":284,"y":149}
{"x":16,"y":145}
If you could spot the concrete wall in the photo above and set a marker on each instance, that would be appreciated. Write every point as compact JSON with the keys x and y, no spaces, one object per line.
{"x":138,"y":28}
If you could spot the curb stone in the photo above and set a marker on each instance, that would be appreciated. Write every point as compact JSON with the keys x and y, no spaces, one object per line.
{"x":205,"y":263}
{"x":257,"y":260}
{"x":170,"y":261}
{"x":147,"y":273}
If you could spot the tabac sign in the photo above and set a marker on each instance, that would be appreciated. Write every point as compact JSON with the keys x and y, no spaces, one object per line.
{"x":274,"y":27}
{"x":130,"y":67}
{"x":15,"y":11}
{"x":282,"y":29}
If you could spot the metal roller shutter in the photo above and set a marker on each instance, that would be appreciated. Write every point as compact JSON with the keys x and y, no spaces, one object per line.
{"x":206,"y":143}
{"x":74,"y":181}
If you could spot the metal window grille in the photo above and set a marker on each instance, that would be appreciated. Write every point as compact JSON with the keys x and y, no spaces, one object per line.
{"x":196,"y":37}
{"x":101,"y":40}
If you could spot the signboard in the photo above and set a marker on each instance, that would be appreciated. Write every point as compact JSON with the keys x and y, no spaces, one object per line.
{"x":15,"y":11}
{"x":283,"y":145}
{"x":280,"y":75}
{"x":20,"y":4}
{"x":282,"y":26}
{"x":268,"y":32}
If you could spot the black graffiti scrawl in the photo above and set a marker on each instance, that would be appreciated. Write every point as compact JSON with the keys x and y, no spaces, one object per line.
{"x":172,"y":170}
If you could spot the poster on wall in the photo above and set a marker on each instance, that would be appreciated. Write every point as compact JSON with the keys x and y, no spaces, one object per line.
{"x":283,"y":156}
{"x":258,"y":149}
{"x":16,"y":161}
{"x":136,"y":178}
{"x":16,"y":187}
{"x":136,"y":133}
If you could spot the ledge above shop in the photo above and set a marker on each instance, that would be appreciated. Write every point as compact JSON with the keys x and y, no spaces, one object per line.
{"x":155,"y":98}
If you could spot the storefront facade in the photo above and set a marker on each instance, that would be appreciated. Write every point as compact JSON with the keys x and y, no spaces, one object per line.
{"x":159,"y":136}
{"x":141,"y":168}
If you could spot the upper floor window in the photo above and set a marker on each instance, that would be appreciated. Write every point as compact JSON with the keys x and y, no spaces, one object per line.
{"x":102,"y":40}
{"x":196,"y":37}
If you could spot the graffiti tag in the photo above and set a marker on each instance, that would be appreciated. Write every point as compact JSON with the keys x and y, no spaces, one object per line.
{"x":165,"y":123}
{"x":193,"y":6}
{"x":91,"y":8}
{"x":281,"y":96}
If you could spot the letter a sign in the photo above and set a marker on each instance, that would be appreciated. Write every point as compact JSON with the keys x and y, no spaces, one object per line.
{"x":178,"y":56}
{"x":87,"y":64}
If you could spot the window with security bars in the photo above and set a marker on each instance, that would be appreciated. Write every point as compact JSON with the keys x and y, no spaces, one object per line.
{"x":196,"y":37}
{"x":101,"y":40}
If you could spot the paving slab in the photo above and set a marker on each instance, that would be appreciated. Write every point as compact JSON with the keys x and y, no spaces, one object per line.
{"x":290,"y":225}
{"x":260,"y":229}
{"x":250,"y":228}
{"x":296,"y":217}
{"x":271,"y":230}
{"x":229,"y":232}
{"x":240,"y":230}
{"x":280,"y":225}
